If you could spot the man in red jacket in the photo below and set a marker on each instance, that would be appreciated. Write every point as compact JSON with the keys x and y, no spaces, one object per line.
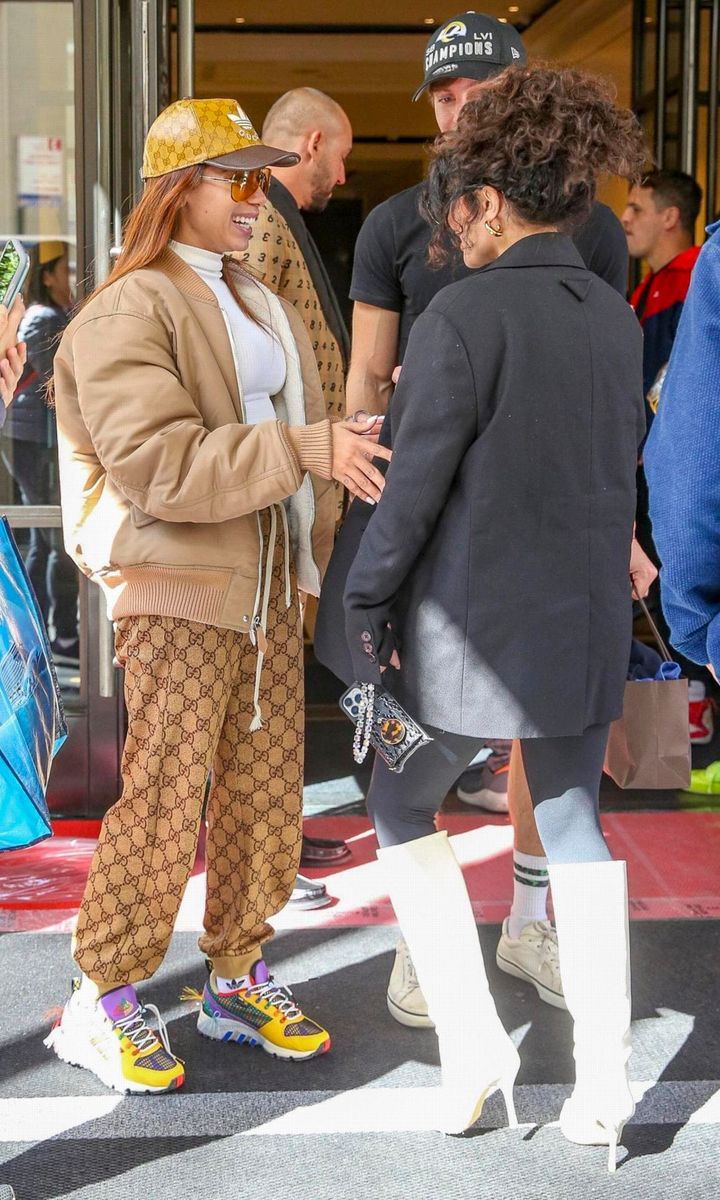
{"x":659,"y":223}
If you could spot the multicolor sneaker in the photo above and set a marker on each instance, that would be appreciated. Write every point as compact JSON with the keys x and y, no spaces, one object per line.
{"x":258,"y":1012}
{"x":486,"y":785}
{"x":111,"y":1038}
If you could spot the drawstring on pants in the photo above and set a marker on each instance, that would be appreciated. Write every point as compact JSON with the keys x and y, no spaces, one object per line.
{"x":258,"y":631}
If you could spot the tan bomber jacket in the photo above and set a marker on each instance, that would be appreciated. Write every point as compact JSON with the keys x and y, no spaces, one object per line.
{"x":161,"y":480}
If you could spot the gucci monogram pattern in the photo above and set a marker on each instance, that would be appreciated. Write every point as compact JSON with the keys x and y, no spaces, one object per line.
{"x":189,"y":694}
{"x":275,"y":257}
{"x":254,"y":811}
{"x":192,"y":131}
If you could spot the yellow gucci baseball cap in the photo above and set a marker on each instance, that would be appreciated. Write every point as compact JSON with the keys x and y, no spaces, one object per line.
{"x":213,"y":131}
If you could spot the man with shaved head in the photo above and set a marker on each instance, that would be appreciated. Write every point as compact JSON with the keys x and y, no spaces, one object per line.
{"x":284,"y":256}
{"x":316,"y":128}
{"x":282,"y":252}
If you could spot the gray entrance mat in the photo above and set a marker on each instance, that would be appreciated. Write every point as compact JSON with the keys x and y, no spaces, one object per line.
{"x":303,"y":1131}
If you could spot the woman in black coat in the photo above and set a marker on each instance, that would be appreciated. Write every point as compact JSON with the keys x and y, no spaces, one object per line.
{"x":491,"y":592}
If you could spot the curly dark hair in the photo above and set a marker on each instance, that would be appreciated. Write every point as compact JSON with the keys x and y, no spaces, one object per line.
{"x":541,"y":136}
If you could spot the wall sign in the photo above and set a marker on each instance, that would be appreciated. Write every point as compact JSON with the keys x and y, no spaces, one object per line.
{"x":40,"y":171}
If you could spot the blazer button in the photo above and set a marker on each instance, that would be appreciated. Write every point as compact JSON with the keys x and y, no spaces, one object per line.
{"x":371,"y":657}
{"x":366,"y":636}
{"x":367,"y":648}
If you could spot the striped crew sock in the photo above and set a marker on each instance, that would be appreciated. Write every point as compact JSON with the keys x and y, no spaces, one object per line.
{"x":530,"y":889}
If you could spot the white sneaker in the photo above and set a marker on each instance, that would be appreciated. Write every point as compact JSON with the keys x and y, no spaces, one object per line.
{"x":111,"y":1038}
{"x":405,"y":1001}
{"x":533,"y":957}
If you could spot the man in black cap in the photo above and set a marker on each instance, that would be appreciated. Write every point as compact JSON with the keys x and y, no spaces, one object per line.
{"x":392,"y":284}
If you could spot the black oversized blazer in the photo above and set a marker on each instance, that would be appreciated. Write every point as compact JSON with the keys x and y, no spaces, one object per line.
{"x":499,"y":552}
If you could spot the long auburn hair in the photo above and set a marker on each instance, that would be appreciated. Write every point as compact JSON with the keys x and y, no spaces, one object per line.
{"x":150,"y":226}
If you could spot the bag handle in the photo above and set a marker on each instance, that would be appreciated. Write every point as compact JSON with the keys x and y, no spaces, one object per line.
{"x":665,"y":653}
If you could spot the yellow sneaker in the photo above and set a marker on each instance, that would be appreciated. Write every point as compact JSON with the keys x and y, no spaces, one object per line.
{"x":110,"y":1037}
{"x":258,"y":1012}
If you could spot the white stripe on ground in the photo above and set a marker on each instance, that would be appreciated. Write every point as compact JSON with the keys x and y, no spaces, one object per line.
{"x":366,"y":1110}
{"x":44,"y":1117}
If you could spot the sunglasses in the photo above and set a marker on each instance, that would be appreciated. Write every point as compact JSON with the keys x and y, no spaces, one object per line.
{"x":244,"y":184}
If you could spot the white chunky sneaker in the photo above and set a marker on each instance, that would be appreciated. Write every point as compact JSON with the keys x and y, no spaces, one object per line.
{"x":405,"y":1000}
{"x":111,"y":1038}
{"x":533,"y":957}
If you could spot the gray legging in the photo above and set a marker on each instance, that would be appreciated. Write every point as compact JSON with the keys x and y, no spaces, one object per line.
{"x":563,"y":776}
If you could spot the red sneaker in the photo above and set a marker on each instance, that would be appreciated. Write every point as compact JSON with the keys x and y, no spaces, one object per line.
{"x":702,"y":725}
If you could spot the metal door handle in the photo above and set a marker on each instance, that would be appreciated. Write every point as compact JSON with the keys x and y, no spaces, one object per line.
{"x":186,"y":47}
{"x":106,"y":653}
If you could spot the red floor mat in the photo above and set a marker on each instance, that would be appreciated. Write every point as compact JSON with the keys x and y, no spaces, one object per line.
{"x":672,"y":860}
{"x":52,"y":874}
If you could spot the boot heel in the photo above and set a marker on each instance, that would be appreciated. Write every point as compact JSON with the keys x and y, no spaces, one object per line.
{"x":507,"y":1090}
{"x":614,"y":1133}
{"x":463,"y":1114}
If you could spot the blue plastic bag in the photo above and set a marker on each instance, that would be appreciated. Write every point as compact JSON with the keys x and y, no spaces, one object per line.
{"x":32,"y":721}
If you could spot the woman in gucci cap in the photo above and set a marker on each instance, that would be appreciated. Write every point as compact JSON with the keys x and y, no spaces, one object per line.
{"x":196,"y":466}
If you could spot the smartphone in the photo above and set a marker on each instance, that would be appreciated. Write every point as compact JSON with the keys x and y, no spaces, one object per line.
{"x":14,"y":266}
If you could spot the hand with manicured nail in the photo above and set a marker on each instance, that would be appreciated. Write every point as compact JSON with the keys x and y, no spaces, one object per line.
{"x":352,"y":459}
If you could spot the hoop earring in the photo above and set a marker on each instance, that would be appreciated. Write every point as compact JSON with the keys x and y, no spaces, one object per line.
{"x":494,"y":232}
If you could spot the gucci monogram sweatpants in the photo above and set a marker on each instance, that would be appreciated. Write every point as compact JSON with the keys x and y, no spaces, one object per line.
{"x":189,"y":693}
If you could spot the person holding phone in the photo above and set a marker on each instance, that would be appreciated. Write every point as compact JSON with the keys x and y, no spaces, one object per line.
{"x":30,"y":445}
{"x":196,"y":461}
{"x":529,"y":369}
{"x":13,"y":354}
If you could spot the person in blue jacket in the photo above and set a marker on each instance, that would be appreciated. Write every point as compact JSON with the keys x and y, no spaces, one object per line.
{"x":681,"y":463}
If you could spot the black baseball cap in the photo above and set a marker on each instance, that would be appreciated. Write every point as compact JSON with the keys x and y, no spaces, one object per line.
{"x":471,"y":46}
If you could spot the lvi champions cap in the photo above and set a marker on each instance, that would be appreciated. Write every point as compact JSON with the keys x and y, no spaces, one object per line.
{"x":471,"y":46}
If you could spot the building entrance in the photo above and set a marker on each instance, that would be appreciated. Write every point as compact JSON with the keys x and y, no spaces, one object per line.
{"x":81,"y":82}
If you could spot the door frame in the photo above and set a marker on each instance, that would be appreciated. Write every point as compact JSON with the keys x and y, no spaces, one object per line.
{"x":122,"y":80}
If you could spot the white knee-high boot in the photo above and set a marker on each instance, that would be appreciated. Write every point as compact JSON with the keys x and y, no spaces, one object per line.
{"x":433,"y":908}
{"x":591,"y":913}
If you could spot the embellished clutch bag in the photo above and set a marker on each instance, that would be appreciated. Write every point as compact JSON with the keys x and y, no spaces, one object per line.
{"x":382,"y":723}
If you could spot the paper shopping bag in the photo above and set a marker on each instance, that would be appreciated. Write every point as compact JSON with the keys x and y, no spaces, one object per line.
{"x":649,"y":745}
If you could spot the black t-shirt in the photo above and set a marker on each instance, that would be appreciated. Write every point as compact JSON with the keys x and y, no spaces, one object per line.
{"x":391,"y":270}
